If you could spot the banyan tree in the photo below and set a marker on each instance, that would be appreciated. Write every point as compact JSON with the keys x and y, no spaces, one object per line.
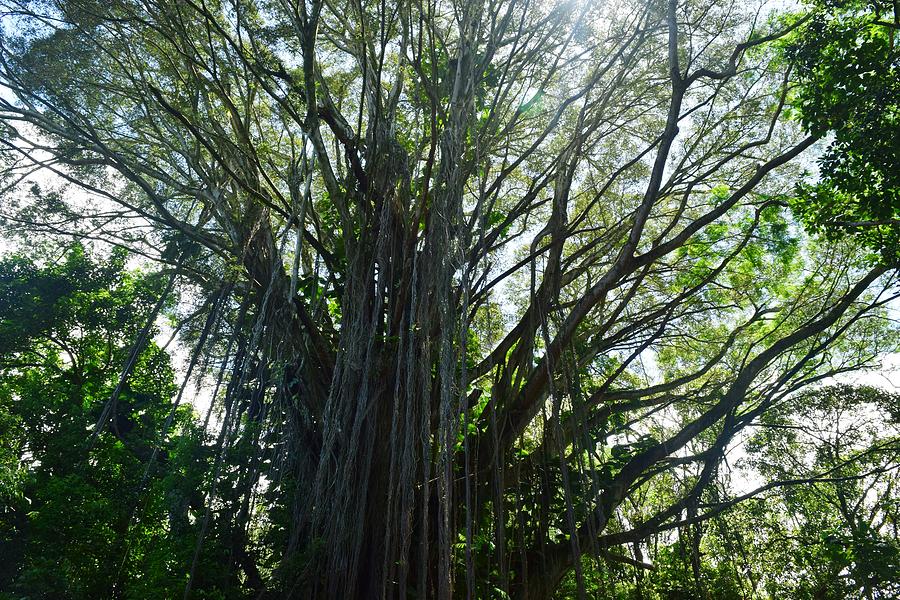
{"x":463,"y":278}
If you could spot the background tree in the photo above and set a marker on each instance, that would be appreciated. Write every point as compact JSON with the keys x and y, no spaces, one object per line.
{"x":490,"y":271}
{"x":848,"y":67}
{"x":844,"y":526}
{"x":821,"y":524}
{"x":92,"y":516}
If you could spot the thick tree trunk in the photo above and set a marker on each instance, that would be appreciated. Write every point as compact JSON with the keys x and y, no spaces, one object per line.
{"x":543,"y":576}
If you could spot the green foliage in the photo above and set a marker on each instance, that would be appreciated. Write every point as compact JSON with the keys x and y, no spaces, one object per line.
{"x":845,"y":437}
{"x":831,"y":534}
{"x":848,"y":70}
{"x":79,"y":518}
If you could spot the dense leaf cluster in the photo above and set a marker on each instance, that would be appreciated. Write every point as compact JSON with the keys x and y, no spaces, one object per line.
{"x":848,"y":71}
{"x":88,"y":511}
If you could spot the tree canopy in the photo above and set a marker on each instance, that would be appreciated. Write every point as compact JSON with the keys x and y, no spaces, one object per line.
{"x":91,"y":516}
{"x":848,"y":70}
{"x":483,"y":296}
